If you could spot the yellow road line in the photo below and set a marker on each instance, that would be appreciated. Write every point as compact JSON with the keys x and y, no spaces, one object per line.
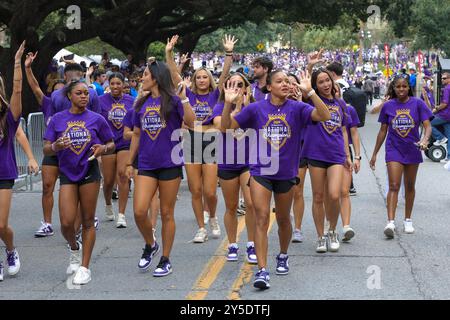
{"x":210,"y":272}
{"x":246,"y":272}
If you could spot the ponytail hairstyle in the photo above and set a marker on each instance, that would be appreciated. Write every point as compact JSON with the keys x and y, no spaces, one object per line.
{"x":4,"y":103}
{"x":161,"y":74}
{"x":269,"y":80}
{"x":68,"y":89}
{"x":117,"y":75}
{"x":397,"y":78}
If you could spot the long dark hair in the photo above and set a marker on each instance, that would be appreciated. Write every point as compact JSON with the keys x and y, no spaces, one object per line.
{"x":161,"y":74}
{"x":314,"y":77}
{"x":391,"y":89}
{"x":269,"y":80}
{"x":3,"y":109}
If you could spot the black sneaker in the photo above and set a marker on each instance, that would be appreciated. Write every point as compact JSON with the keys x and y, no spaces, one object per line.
{"x":353,"y":191}
{"x":115,"y":195}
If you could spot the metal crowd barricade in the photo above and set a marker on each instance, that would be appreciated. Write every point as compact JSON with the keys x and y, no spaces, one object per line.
{"x":34,"y":128}
{"x":21,"y":157}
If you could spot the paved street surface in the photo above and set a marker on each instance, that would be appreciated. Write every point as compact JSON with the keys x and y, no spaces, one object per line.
{"x":369,"y":267}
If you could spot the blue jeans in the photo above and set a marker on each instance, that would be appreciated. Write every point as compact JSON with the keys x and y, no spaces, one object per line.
{"x":437,"y":124}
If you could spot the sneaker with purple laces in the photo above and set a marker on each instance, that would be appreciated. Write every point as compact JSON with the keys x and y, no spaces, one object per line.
{"x":251,"y":255}
{"x":232,"y":252}
{"x":147,"y":256}
{"x":44,"y":230}
{"x":282,"y":264}
{"x":13,"y":261}
{"x":262,"y":280}
{"x":163,"y":268}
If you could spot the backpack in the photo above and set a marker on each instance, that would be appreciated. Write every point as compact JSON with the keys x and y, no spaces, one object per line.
{"x":358,"y":99}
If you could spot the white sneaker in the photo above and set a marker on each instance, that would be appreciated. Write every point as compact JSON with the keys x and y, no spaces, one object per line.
{"x":408,"y":226}
{"x":297,"y":236}
{"x":389,"y":230}
{"x":121,"y":221}
{"x":1,"y":271}
{"x":321,"y":245}
{"x":13,"y":262}
{"x":109,"y":213}
{"x":75,"y":260}
{"x":215,"y":228}
{"x":201,"y":236}
{"x":154,"y":234}
{"x":205,"y":217}
{"x":83,"y":276}
{"x":333,"y":241}
{"x":440,"y":142}
{"x":348,"y":233}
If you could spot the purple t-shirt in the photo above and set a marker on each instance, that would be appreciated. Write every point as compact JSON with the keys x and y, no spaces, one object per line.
{"x":232,"y":146}
{"x":257,"y":93}
{"x":46,"y":108}
{"x":128,"y":120}
{"x":84,"y":130}
{"x":60,"y":102}
{"x":202,"y":104}
{"x":324,"y":141}
{"x":155,"y":143}
{"x":114,"y":111}
{"x":403,"y":120}
{"x":445,"y":113}
{"x":353,"y":123}
{"x":8,"y":167}
{"x":276,"y":137}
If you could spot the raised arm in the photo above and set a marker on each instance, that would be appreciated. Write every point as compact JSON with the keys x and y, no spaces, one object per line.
{"x":227,"y":120}
{"x":228,"y":46}
{"x":189,"y":115}
{"x":32,"y":82}
{"x":320,"y":112}
{"x":16,"y":98}
{"x":176,"y":77}
{"x":313,"y":59}
{"x":184,"y":58}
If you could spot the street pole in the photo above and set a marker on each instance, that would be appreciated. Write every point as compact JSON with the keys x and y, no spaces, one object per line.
{"x":290,"y":46}
{"x":361,"y":43}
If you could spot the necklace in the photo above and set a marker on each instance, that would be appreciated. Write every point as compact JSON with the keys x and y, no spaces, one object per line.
{"x":115,"y":101}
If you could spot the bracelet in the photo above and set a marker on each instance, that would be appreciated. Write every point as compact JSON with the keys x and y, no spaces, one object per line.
{"x":228,"y":51}
{"x":310,"y":93}
{"x":229,"y":54}
{"x":128,"y":165}
{"x":185,"y":101}
{"x":53,"y":147}
{"x":106,"y":149}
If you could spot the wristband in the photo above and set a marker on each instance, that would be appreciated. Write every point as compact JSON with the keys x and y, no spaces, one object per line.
{"x":106,"y":149}
{"x":310,"y":93}
{"x":357,"y":157}
{"x":185,"y":101}
{"x":128,"y":165}
{"x":53,"y":147}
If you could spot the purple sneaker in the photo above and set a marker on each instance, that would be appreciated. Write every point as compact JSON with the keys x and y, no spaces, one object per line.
{"x":13,"y":262}
{"x":251,"y":255}
{"x":282,"y":264}
{"x":44,"y":230}
{"x":147,"y":256}
{"x":232,"y":253}
{"x":262,"y":280}
{"x":164,"y":268}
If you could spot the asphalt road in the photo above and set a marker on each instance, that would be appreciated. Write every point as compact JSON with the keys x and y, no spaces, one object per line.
{"x":369,"y":267}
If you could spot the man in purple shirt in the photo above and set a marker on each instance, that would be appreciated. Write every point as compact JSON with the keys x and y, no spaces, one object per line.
{"x":442,"y":117}
{"x":262,"y":66}
{"x":60,"y":102}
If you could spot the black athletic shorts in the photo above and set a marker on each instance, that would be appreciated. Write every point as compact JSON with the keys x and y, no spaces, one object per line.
{"x":303,"y":163}
{"x":50,"y":161}
{"x":195,"y":153}
{"x":164,"y":174}
{"x":276,"y":186}
{"x":93,"y":175}
{"x":6,"y":184}
{"x":126,"y":148}
{"x":231,"y":174}
{"x":321,"y":164}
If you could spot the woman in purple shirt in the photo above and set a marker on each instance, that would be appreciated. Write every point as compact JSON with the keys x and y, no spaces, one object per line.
{"x":234,"y":171}
{"x":201,"y":169}
{"x":114,"y":106}
{"x":9,"y":122}
{"x":158,"y":118}
{"x":277,"y":124}
{"x":50,"y":170}
{"x":400,"y":118}
{"x":78,"y":136}
{"x":326,"y":148}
